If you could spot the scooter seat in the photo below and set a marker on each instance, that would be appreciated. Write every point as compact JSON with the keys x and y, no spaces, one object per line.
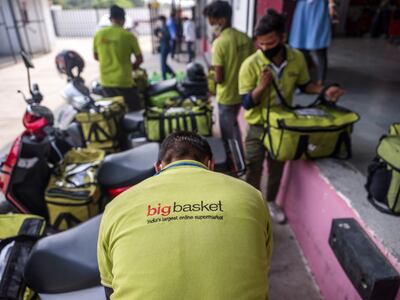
{"x":66,"y":261}
{"x":133,"y":121}
{"x":162,"y":87}
{"x":129,"y":167}
{"x":219,"y":154}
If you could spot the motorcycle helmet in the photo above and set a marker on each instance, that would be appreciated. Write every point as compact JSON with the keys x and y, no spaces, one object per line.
{"x":67,"y":61}
{"x":195,"y":72}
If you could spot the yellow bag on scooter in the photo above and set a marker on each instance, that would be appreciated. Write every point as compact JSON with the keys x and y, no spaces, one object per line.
{"x":72,"y":195}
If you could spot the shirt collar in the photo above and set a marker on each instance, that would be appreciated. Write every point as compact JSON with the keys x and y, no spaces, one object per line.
{"x":277,"y":69}
{"x":183,"y":164}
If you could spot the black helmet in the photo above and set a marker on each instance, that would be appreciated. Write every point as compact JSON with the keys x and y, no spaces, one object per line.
{"x":195,"y":72}
{"x":67,"y":60}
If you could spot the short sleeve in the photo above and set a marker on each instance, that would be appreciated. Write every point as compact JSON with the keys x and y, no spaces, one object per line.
{"x":248,"y":78}
{"x":135,"y":46}
{"x":103,"y":257}
{"x":217,"y":54}
{"x":304,"y":75}
{"x":95,"y":50}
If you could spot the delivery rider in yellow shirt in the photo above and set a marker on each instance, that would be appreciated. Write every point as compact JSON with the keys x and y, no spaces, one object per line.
{"x":186,"y":233}
{"x":274,"y":60}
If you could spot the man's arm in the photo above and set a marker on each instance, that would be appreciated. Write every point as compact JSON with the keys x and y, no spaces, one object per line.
{"x":217,"y":62}
{"x":219,"y":74}
{"x":332,"y":93}
{"x":135,"y":48}
{"x":266,"y":79}
{"x":138,"y":61}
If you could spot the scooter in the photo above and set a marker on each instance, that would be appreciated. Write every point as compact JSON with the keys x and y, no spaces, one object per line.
{"x":64,"y":265}
{"x":79,"y":98}
{"x":26,"y":170}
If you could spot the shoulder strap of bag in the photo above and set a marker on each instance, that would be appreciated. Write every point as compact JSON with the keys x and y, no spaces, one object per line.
{"x":319,"y":100}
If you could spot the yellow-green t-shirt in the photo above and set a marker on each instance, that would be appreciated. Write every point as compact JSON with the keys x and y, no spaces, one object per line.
{"x":186,"y":233}
{"x":294,"y":74}
{"x":229,"y":50}
{"x":114,"y":46}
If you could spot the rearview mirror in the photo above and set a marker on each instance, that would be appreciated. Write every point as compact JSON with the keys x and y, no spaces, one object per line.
{"x":27,"y":60}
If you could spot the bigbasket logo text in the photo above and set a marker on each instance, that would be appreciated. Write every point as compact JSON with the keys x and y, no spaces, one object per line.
{"x":166,"y":210}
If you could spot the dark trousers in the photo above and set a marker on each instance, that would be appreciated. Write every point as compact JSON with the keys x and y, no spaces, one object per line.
{"x":255,"y":155}
{"x":190,"y":50}
{"x":173,"y":47}
{"x":131,"y":96}
{"x":229,"y":124}
{"x":318,"y":58}
{"x":165,"y":68}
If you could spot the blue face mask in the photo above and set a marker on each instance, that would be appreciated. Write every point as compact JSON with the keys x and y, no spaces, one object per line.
{"x":271,"y":53}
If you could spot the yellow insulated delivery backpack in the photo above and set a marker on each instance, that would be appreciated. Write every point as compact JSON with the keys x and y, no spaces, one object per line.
{"x":18,"y":234}
{"x":318,"y":130}
{"x":100,"y":125}
{"x":190,"y":115}
{"x":72,"y":195}
{"x":383,"y":183}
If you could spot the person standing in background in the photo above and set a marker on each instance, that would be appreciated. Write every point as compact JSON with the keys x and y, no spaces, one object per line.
{"x":189,"y":33}
{"x":163,"y":35}
{"x":229,"y":50}
{"x":113,"y":47}
{"x":311,"y":32}
{"x":173,"y":32}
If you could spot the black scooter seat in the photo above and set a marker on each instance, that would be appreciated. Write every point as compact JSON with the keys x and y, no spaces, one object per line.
{"x":129,"y":167}
{"x":219,"y":154}
{"x":162,"y":87}
{"x":133,"y":121}
{"x":65,"y":261}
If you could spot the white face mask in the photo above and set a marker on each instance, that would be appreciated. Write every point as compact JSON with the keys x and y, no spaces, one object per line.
{"x":216,"y":28}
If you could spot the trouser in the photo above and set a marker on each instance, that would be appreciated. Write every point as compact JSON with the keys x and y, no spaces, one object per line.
{"x":190,"y":51}
{"x":319,"y":58}
{"x":228,"y":123}
{"x":173,"y":47}
{"x":165,"y":68}
{"x":255,"y":155}
{"x":131,"y":96}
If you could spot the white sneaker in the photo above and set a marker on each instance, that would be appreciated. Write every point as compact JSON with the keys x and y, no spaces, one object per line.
{"x":277,"y":214}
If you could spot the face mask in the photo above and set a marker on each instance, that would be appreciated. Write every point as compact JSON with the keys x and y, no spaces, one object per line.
{"x":271,"y":53}
{"x":216,"y":28}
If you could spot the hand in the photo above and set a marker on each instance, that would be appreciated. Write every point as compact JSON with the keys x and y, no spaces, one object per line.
{"x":333,"y":93}
{"x":266,"y":78}
{"x":333,"y":13}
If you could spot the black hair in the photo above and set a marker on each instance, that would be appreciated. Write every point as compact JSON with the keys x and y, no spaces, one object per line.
{"x":272,"y":21}
{"x":184,"y":145}
{"x":218,"y":9}
{"x":162,"y":18}
{"x":117,"y":13}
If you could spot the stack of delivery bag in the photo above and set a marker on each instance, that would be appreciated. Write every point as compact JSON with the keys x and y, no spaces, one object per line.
{"x":169,"y":112}
{"x":100,"y":123}
{"x":321,"y":129}
{"x":18,"y":235}
{"x":72,"y":194}
{"x":383,"y":183}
